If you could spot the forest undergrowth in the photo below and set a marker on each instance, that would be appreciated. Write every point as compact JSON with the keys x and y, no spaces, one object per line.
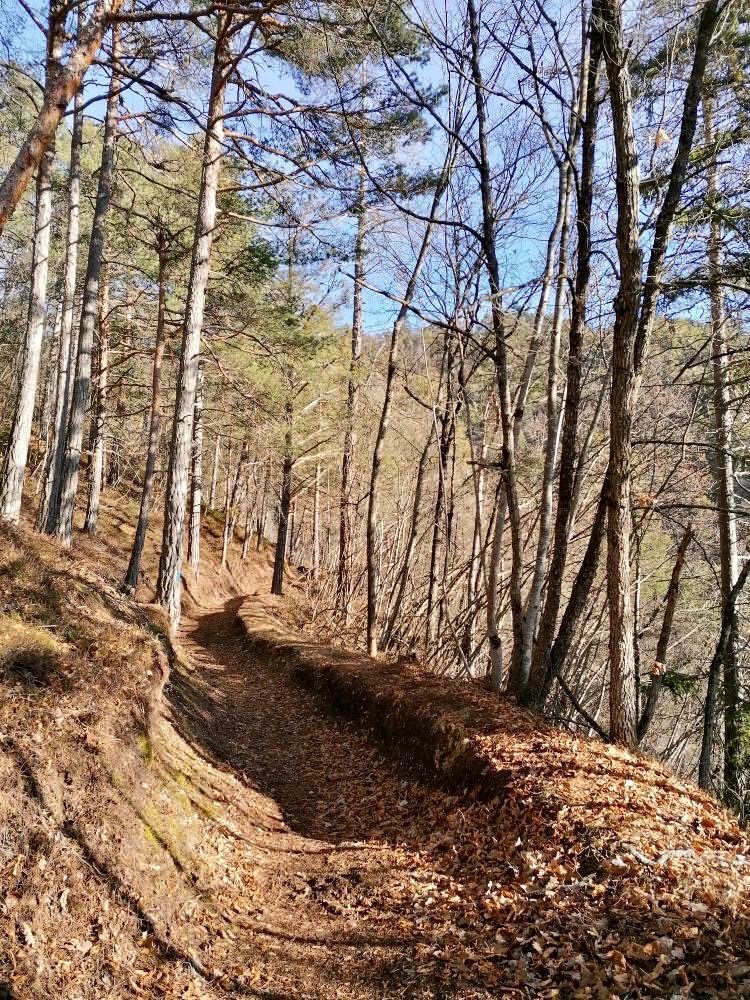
{"x":247,"y":813}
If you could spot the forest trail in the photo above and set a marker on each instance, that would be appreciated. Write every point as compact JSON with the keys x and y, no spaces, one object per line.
{"x":344,"y":827}
{"x":205,"y":825}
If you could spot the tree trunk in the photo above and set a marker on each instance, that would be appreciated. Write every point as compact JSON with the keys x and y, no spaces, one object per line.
{"x":533,"y":604}
{"x":348,"y":459}
{"x":57,"y":94}
{"x":316,"y":524}
{"x":277,"y":584}
{"x":411,"y":542}
{"x":214,"y":473}
{"x":89,"y":307}
{"x":579,"y":597}
{"x":250,"y":510}
{"x":14,"y":466}
{"x":48,"y":397}
{"x":99,"y":430}
{"x":662,"y":645}
{"x":493,"y":591}
{"x":622,"y":707}
{"x":723,"y":467}
{"x":447,"y":431}
{"x":385,"y":413}
{"x":507,"y":459}
{"x":262,"y":504}
{"x":196,"y":481}
{"x":714,"y":672}
{"x":635,"y":308}
{"x":136,"y":553}
{"x":170,"y":563}
{"x":68,"y":343}
{"x":540,"y":667}
{"x":232,"y":507}
{"x":228,"y":491}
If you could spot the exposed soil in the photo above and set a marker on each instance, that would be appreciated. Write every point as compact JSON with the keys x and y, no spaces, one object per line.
{"x":237,"y":838}
{"x":330,"y":856}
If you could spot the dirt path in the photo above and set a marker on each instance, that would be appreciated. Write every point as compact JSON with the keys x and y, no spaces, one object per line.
{"x":339,"y":834}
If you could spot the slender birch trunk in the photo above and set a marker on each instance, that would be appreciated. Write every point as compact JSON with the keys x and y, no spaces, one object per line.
{"x":89,"y":308}
{"x":507,"y":460}
{"x":348,"y":459}
{"x":723,"y":468}
{"x":68,"y":342}
{"x":662,"y":645}
{"x":196,"y":481}
{"x":539,"y":678}
{"x":385,"y":413}
{"x":285,"y":502}
{"x":170,"y":564}
{"x":99,"y":429}
{"x":534,"y":601}
{"x":214,"y":473}
{"x":154,"y":430}
{"x":14,"y":465}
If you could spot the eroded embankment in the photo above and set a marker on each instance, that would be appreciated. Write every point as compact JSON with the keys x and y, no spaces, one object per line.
{"x":581,"y":860}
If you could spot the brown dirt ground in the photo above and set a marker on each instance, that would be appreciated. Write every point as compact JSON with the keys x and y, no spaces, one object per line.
{"x":245,"y":841}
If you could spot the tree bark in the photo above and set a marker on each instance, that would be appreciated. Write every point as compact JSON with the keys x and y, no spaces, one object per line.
{"x":262,"y":505}
{"x":316,"y":524}
{"x":14,"y":466}
{"x":507,"y":458}
{"x":170,"y":563}
{"x":385,"y":413}
{"x":68,"y":343}
{"x":714,"y":673}
{"x":99,"y":429}
{"x":447,"y":431}
{"x":89,"y":308}
{"x":662,"y":645}
{"x":154,"y":430}
{"x":196,"y":481}
{"x":493,"y":591}
{"x":622,"y":707}
{"x":67,"y":80}
{"x":635,"y":308}
{"x":348,"y":459}
{"x":540,"y":665}
{"x":214,"y":473}
{"x":233,"y":500}
{"x":285,"y":502}
{"x":723,"y":468}
{"x":411,"y":542}
{"x":534,"y":601}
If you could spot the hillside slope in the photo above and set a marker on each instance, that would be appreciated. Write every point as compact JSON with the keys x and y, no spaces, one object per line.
{"x":248,"y":814}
